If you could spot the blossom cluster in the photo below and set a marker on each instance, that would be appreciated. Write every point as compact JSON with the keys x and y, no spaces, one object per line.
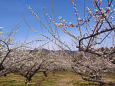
{"x":64,"y":23}
{"x":1,"y":28}
{"x":100,"y":14}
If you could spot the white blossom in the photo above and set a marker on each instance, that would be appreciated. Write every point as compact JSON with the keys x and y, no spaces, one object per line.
{"x":63,"y":20}
{"x":87,"y":9}
{"x":59,"y":17}
{"x":79,"y":19}
{"x":65,"y":23}
{"x":90,"y":13}
{"x":108,"y":8}
{"x":96,"y":11}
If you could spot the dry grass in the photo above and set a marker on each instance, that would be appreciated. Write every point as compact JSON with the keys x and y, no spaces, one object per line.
{"x":62,"y":78}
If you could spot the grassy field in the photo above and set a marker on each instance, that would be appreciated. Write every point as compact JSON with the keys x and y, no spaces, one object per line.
{"x":62,"y":78}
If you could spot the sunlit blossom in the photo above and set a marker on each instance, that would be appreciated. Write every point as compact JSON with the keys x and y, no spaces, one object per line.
{"x":112,"y":17}
{"x":56,"y":24}
{"x":103,"y":19}
{"x":106,"y":15}
{"x":96,"y":11}
{"x":91,"y":29}
{"x":88,"y":20}
{"x":65,"y":23}
{"x":94,"y":26}
{"x":66,"y":26}
{"x":59,"y":17}
{"x":94,"y":16}
{"x":98,"y":16}
{"x":60,"y":24}
{"x":79,"y":19}
{"x":90,"y":13}
{"x":70,"y":23}
{"x":101,"y":8}
{"x":87,"y":9}
{"x":100,"y":1}
{"x":103,"y":11}
{"x":75,"y":8}
{"x":108,"y":9}
{"x":95,"y":20}
{"x":1,"y":27}
{"x":112,"y":12}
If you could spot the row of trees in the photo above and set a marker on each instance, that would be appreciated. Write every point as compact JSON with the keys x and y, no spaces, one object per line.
{"x":92,"y":60}
{"x":95,"y":28}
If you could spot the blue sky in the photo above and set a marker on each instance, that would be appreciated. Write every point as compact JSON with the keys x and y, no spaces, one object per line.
{"x":13,"y":11}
